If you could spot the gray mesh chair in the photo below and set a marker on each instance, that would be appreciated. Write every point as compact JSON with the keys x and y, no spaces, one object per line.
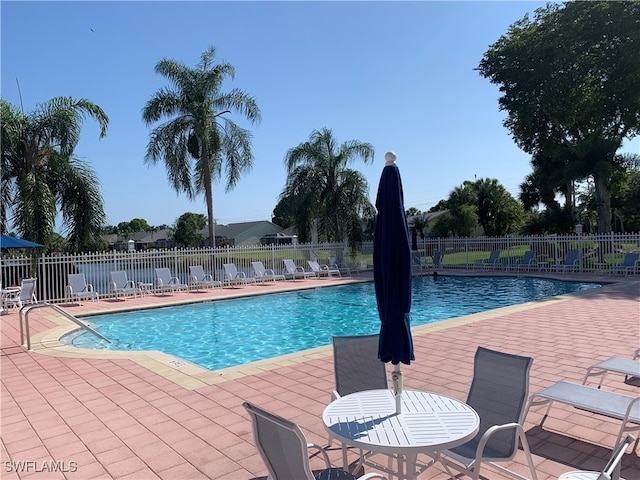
{"x":498,"y":393}
{"x":357,"y":368}
{"x":611,"y":470}
{"x":285,"y":451}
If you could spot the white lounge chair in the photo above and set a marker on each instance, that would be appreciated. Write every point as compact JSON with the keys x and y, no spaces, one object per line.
{"x":322,"y":270}
{"x":294,"y":272}
{"x":260,"y":273}
{"x":197,"y":278}
{"x":285,"y":450}
{"x":78,"y":288}
{"x":629,"y":264}
{"x":334,"y":264}
{"x":611,"y":470}
{"x":233,"y":277}
{"x":21,"y":296}
{"x":121,"y":285}
{"x":436,"y":260}
{"x":165,"y":282}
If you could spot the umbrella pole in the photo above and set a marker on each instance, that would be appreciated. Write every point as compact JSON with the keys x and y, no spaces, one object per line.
{"x":396,"y":378}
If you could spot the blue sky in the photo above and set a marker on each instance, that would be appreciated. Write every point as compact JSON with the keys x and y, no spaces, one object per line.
{"x":399,"y":75}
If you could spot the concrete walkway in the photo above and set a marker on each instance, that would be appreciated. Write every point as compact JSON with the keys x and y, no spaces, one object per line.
{"x":68,"y":414}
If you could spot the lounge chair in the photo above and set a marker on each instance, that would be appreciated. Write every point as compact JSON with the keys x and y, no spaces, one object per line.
{"x":629,"y":367}
{"x":629,"y":264}
{"x":611,"y":470}
{"x":121,"y":285}
{"x":416,"y":261}
{"x":197,"y":278}
{"x":570,"y":262}
{"x":357,"y":368}
{"x":260,"y":273}
{"x":435,"y":261}
{"x":165,"y":282}
{"x":335,"y":265}
{"x":291,"y":270}
{"x":78,"y":288}
{"x":322,"y":270}
{"x":233,"y":277}
{"x":493,"y":261}
{"x":285,"y":450}
{"x":498,"y":393}
{"x":527,"y":261}
{"x":25,"y":295}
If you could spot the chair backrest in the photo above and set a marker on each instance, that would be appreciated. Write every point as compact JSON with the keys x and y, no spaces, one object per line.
{"x":27,"y":289}
{"x":281,"y":444}
{"x":499,"y":393}
{"x":314,"y":265}
{"x":528,"y":257}
{"x":356,"y":364}
{"x":630,"y":259}
{"x":230,"y":270}
{"x":119,"y":278}
{"x":259,"y":269}
{"x":572,"y":257}
{"x":77,"y":282}
{"x":437,"y":258}
{"x":289,"y":265}
{"x":197,"y":271}
{"x":164,"y":275}
{"x":494,"y":256}
{"x":332,"y":262}
{"x":612,"y":469}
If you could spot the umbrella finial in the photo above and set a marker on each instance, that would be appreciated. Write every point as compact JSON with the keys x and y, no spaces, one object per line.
{"x":390,"y":158}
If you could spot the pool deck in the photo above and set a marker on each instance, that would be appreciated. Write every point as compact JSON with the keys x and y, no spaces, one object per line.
{"x":67,"y":413}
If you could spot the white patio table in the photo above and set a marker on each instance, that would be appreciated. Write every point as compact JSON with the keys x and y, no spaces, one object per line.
{"x":429,"y":423}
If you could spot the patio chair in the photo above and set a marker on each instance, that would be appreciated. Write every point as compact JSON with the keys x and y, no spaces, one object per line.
{"x":197,"y":278}
{"x":294,"y":272}
{"x":260,"y":273}
{"x":285,"y":450}
{"x":120,"y":284}
{"x":527,"y":261}
{"x":570,"y":262}
{"x":435,"y":261}
{"x":233,"y":277}
{"x":493,"y":261}
{"x":611,"y":470}
{"x":498,"y":393}
{"x":334,"y":264}
{"x":629,"y":264}
{"x":165,"y":282}
{"x":322,"y":270}
{"x":78,"y":288}
{"x":21,"y":296}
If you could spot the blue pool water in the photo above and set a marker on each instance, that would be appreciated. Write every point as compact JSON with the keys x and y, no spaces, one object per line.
{"x":226,"y":333}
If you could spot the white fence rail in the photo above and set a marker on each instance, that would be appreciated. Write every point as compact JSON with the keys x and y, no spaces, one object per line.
{"x":598,"y":252}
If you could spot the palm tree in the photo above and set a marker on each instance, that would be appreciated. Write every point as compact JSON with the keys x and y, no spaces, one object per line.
{"x":197,"y":128}
{"x":40,"y":173}
{"x":324,"y":189}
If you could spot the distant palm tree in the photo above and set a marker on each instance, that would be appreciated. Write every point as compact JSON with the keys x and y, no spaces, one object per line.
{"x":40,"y":173}
{"x":324,"y":189}
{"x":197,"y":128}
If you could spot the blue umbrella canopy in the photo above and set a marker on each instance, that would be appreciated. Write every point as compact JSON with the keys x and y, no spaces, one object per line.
{"x":392,"y":268}
{"x":12,"y":242}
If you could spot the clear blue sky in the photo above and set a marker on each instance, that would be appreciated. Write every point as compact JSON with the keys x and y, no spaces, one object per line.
{"x":399,"y":75}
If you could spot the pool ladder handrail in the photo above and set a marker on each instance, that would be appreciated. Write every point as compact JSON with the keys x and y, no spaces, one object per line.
{"x":67,"y":315}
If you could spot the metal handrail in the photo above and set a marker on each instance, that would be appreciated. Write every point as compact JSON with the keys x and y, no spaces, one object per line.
{"x":57,"y":309}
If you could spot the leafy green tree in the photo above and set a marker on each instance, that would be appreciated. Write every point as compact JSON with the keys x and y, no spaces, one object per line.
{"x":199,"y":130}
{"x":284,"y":212}
{"x":569,"y":78}
{"x":324,"y":189}
{"x":41,"y":177}
{"x":187,"y":229}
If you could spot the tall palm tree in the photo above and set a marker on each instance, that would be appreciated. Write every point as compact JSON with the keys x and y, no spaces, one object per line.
{"x":40,"y":173}
{"x":325,"y":190}
{"x":198,"y":130}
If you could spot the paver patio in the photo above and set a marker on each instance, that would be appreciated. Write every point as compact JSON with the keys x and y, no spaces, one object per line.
{"x":150,"y":416}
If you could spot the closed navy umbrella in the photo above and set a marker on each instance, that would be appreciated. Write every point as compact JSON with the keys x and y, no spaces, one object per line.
{"x":12,"y":242}
{"x":392,"y":274}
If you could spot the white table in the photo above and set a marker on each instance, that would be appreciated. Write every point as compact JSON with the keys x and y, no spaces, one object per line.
{"x":429,"y":423}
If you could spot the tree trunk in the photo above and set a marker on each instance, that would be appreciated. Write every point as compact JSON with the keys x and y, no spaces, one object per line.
{"x":208,"y":194}
{"x":603,"y":204}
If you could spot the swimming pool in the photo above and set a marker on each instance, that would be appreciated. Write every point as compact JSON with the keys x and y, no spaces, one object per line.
{"x":226,"y":333}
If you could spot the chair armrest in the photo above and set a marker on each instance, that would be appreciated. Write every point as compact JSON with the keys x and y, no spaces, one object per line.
{"x":130,"y":284}
{"x":112,"y":287}
{"x":269,"y":271}
{"x":89,"y":287}
{"x":192,"y":280}
{"x":322,"y":451}
{"x":487,"y":436}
